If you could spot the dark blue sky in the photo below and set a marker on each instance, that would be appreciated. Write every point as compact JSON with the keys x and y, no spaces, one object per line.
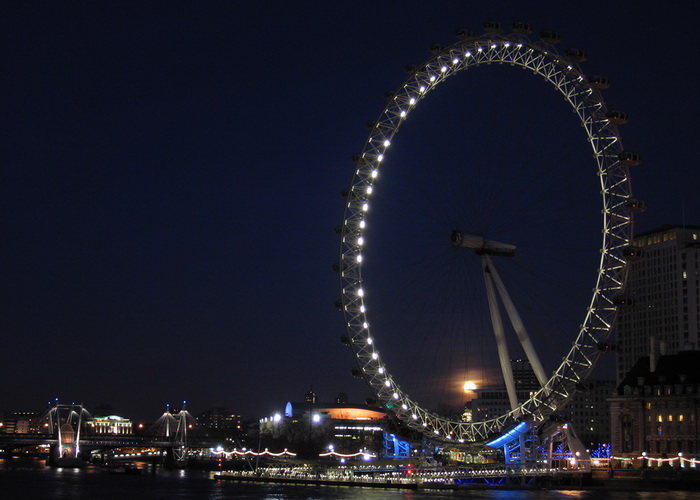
{"x":171,"y":175}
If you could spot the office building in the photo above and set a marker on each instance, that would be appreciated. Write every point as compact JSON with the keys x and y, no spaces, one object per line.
{"x":660,"y":310}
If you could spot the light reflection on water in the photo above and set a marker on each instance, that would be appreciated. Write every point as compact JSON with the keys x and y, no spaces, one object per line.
{"x":30,"y":478}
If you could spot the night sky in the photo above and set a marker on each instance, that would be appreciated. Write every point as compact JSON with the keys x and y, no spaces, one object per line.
{"x":171,"y":177}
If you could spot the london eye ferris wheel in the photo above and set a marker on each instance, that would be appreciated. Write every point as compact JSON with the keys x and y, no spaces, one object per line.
{"x":477,"y":234}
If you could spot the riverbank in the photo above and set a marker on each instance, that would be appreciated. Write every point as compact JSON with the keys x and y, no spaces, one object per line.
{"x":678,"y":479}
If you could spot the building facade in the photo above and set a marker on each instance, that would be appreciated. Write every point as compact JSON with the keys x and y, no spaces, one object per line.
{"x":111,"y":424}
{"x":22,"y":422}
{"x":589,"y":413}
{"x":220,"y":421}
{"x":655,"y":411}
{"x":661,"y":310}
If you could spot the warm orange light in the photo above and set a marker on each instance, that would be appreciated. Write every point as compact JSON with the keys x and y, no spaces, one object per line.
{"x":469,"y":386}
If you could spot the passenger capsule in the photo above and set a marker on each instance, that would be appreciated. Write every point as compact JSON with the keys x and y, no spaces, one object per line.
{"x":635,"y":205}
{"x":522,"y":27}
{"x":606,"y":347}
{"x":356,"y":157}
{"x":632,"y":254}
{"x":356,"y":372}
{"x":463,"y":33}
{"x":599,"y":81}
{"x":370,"y":124}
{"x":337,"y":267}
{"x":389,"y":94}
{"x":629,"y":158}
{"x":617,"y":116}
{"x":436,"y":48}
{"x":576,"y":55}
{"x":623,"y":301}
{"x":338,"y":230}
{"x":410,"y":68}
{"x":349,"y":194}
{"x":338,"y":304}
{"x":549,"y":36}
{"x":491,"y":26}
{"x":345,"y":339}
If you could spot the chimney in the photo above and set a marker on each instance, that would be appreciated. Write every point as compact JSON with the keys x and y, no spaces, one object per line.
{"x":653,"y":355}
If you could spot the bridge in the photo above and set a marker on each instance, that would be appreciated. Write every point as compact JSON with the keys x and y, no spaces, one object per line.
{"x":68,"y":436}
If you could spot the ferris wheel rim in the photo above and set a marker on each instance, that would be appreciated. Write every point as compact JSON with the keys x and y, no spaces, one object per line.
{"x":583,"y":94}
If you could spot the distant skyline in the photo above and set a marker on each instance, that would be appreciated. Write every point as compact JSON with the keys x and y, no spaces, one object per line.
{"x":171,"y":177}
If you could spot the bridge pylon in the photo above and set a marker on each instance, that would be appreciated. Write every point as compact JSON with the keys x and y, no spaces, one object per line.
{"x":184,"y":422}
{"x":66,"y":422}
{"x":173,"y":426}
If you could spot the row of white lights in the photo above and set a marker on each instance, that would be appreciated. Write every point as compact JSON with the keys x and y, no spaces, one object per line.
{"x":365,"y":207}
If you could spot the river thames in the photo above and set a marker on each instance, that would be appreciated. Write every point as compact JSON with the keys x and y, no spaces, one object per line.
{"x":30,"y":479}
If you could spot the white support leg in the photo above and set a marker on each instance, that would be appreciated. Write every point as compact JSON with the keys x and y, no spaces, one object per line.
{"x":503,"y":356}
{"x":518,"y":325}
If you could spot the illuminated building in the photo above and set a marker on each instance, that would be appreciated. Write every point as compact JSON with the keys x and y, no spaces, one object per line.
{"x":311,"y":427}
{"x":22,"y":422}
{"x":589,"y":413}
{"x":111,"y":424}
{"x":219,"y":421}
{"x":660,"y":310}
{"x":655,"y":411}
{"x":310,"y":397}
